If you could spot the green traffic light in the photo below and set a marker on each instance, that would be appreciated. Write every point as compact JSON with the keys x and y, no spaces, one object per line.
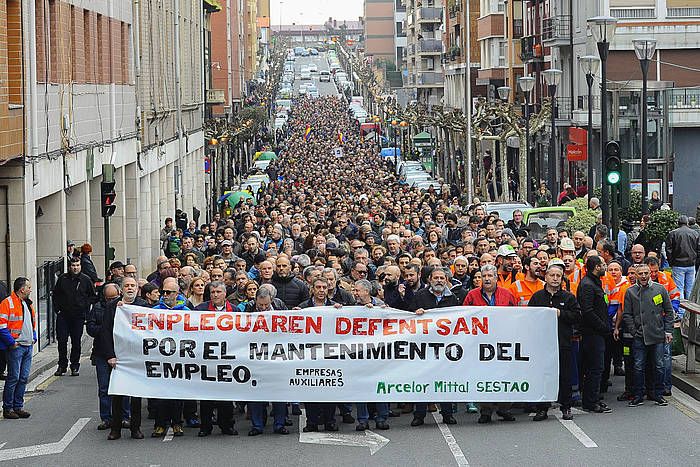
{"x":613,"y":178}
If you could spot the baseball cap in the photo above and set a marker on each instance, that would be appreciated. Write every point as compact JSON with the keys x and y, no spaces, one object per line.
{"x":70,"y":243}
{"x":567,"y":244}
{"x":226,"y":242}
{"x":116,"y":265}
{"x":506,"y":250}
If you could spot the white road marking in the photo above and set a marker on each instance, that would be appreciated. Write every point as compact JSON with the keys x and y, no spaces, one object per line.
{"x":457,"y":453}
{"x":576,"y":430}
{"x":169,"y":435}
{"x":45,"y":449}
{"x":369,"y":439}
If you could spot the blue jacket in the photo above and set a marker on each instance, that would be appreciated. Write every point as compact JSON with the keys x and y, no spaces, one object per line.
{"x":180,"y":305}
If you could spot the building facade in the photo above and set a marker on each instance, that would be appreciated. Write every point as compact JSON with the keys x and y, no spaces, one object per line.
{"x":424,"y":50}
{"x":85,"y":85}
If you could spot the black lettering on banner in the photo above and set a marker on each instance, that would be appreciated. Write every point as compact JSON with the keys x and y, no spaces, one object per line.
{"x":190,"y":369}
{"x":152,"y":369}
{"x":171,"y":346}
{"x":172,"y":370}
{"x":241,"y":374}
{"x":453,"y":352}
{"x":187,"y":346}
{"x":258,"y":351}
{"x":222,"y":375}
{"x":208,"y":353}
{"x":224,"y":354}
{"x":148,"y":344}
{"x":400,"y":350}
{"x":436,"y":346}
{"x":205,"y":376}
{"x":486,"y":352}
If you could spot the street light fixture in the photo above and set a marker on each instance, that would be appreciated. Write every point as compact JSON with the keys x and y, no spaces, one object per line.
{"x":504,"y":93}
{"x":396,"y":157}
{"x":603,"y":30}
{"x":589,"y":65}
{"x":552,"y":77}
{"x":645,"y":50}
{"x":527,"y":84}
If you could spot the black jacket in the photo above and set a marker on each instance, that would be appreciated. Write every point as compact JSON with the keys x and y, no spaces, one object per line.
{"x":569,"y":316}
{"x":393,"y":298}
{"x":88,"y":268}
{"x":310,"y":303}
{"x":343,"y":297}
{"x":683,"y":247}
{"x":73,"y":294}
{"x":594,"y":309}
{"x":425,"y":299}
{"x":291,"y":290}
{"x":96,"y":320}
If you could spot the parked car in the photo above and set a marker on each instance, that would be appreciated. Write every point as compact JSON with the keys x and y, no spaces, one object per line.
{"x":505,"y":210}
{"x":538,"y":220}
{"x":324,"y":75}
{"x":305,"y":74}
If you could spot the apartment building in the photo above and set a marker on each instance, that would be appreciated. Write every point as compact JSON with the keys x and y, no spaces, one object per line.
{"x":385,"y":38}
{"x":457,"y":50}
{"x":227,"y":59}
{"x":424,"y":50}
{"x":84,"y":84}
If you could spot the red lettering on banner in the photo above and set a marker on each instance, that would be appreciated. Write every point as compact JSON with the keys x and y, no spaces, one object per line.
{"x":424,"y":323}
{"x":461,"y":326}
{"x":373,"y":324}
{"x":156,"y":320}
{"x":225,"y":322}
{"x":279,"y":323}
{"x":407,"y":326}
{"x":482,"y":325}
{"x":172,"y":318}
{"x":261,"y":324}
{"x":342,"y":325}
{"x":188,"y":326}
{"x":204,"y":323}
{"x":443,"y":325}
{"x":314,"y":324}
{"x":136,"y":321}
{"x":239,"y":326}
{"x":388,"y":327}
{"x":294,"y":325}
{"x":357,"y":326}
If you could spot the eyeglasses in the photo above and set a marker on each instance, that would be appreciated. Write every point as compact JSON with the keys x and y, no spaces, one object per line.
{"x":360,"y":272}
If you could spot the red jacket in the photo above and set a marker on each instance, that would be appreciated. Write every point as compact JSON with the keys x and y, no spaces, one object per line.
{"x":503,"y":298}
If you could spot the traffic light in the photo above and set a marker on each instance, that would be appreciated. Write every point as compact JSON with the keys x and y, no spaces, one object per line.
{"x":613,"y":163}
{"x":108,"y":197}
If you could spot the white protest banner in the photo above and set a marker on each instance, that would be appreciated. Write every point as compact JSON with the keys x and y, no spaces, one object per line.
{"x":348,"y":354}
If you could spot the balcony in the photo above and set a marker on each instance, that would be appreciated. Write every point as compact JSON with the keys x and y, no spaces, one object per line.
{"x":429,"y":79}
{"x":430,"y":46}
{"x":530,"y":49}
{"x":429,"y":14}
{"x":517,"y":29}
{"x":556,"y":30}
{"x":455,"y":10}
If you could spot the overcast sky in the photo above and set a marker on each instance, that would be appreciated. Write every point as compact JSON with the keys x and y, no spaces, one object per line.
{"x":315,"y":11}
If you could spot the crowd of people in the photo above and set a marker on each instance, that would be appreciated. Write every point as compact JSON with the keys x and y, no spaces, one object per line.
{"x":342,"y":231}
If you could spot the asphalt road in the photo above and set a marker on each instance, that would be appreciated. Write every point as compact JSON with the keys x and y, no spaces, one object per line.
{"x":646,"y":435}
{"x":321,"y":61}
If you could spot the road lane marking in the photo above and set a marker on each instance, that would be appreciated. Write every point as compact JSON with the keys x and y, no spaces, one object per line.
{"x":169,"y":435}
{"x":576,"y":430}
{"x":457,"y":453}
{"x":45,"y":449}
{"x":368,"y":438}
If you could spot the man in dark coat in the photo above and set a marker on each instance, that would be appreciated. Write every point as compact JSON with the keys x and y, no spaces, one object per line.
{"x":568,"y":315}
{"x":595,"y":328}
{"x":73,"y":295}
{"x":291,"y":290}
{"x":436,"y":295}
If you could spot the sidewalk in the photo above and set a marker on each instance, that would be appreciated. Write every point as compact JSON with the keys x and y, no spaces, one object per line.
{"x":688,"y":383}
{"x":47,"y":360}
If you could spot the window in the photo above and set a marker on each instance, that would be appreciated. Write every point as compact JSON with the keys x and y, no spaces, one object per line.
{"x":14,"y":52}
{"x":502,"y":54}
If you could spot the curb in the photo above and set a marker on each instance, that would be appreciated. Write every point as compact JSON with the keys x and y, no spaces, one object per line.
{"x":682,"y":382}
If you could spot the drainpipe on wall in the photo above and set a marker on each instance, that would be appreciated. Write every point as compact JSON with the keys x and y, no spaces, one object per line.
{"x":178,"y":105}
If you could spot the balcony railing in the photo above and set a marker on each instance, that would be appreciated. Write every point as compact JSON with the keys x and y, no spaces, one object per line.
{"x":556,"y":28}
{"x":685,"y":98}
{"x":530,"y":49}
{"x":429,"y":14}
{"x":428,"y":78}
{"x":565,"y":108}
{"x":430,"y":46}
{"x":517,"y":28}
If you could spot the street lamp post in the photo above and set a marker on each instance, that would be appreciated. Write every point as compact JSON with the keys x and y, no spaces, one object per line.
{"x":527,"y":83}
{"x":404,"y":151}
{"x":396,"y":158}
{"x":603,"y":30}
{"x":589,"y":65}
{"x":552,"y":78}
{"x":645,"y":50}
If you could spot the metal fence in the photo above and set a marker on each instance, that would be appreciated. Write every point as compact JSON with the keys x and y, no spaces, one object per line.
{"x":46,"y":274}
